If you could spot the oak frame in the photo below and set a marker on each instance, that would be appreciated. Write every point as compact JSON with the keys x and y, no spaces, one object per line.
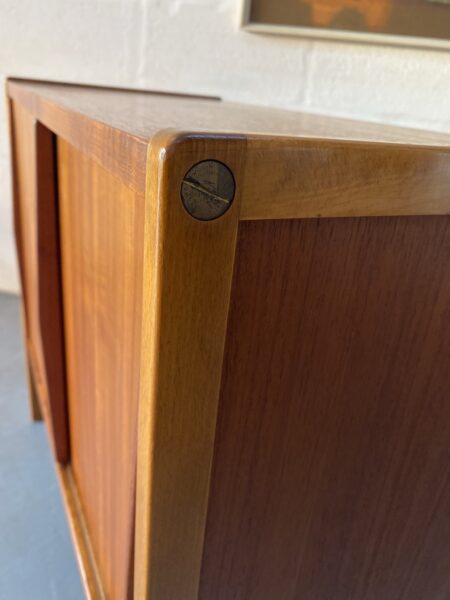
{"x":251,"y":160}
{"x":181,"y":363}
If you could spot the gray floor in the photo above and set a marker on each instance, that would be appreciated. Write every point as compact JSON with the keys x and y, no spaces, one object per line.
{"x":36,"y":556}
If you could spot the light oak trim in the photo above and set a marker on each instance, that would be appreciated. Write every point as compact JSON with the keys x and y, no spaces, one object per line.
{"x":33,"y":400}
{"x":187,"y":282}
{"x":142,"y":115}
{"x":114,"y":126}
{"x":118,"y":152}
{"x":288,"y":178}
{"x":83,"y":549}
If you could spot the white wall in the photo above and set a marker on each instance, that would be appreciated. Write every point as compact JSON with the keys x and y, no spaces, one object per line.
{"x":196,"y":46}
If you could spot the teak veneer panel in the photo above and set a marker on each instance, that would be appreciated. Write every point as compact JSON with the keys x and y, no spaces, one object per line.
{"x":102,"y":225}
{"x":331,"y":474}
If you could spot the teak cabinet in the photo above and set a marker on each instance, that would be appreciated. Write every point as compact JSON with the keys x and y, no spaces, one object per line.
{"x":244,"y":363}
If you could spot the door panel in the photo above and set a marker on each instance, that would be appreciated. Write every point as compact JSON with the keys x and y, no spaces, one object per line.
{"x":102,"y":227}
{"x":331,"y":477}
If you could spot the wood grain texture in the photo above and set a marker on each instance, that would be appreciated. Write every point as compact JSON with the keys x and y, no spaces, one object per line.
{"x":25,"y":194}
{"x":49,"y":289}
{"x":84,"y":552}
{"x":110,"y":146}
{"x":33,"y":400}
{"x":297,"y":165}
{"x":187,"y":279}
{"x":115,"y":126}
{"x":38,"y":251}
{"x":143,"y":114}
{"x":102,"y":228}
{"x":288,"y":178}
{"x":331,"y":474}
{"x":331,"y":461}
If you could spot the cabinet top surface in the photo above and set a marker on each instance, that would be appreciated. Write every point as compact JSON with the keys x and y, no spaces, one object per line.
{"x":143,"y":114}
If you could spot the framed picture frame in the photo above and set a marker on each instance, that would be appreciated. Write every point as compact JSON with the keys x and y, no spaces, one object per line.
{"x":420,"y":23}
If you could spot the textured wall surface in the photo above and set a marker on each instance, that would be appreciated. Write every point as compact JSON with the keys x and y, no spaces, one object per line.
{"x":196,"y":46}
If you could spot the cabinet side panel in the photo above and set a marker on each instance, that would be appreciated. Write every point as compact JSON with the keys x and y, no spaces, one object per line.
{"x":36,"y":228}
{"x":25,"y":216}
{"x":102,"y":244}
{"x":331,"y":476}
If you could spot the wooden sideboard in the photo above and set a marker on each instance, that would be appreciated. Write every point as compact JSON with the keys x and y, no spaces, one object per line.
{"x":238,"y":333}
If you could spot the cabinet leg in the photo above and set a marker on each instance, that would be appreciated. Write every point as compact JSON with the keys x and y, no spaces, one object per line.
{"x":33,"y":400}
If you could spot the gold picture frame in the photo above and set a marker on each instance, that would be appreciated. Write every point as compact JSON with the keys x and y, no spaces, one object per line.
{"x":281,"y":26}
